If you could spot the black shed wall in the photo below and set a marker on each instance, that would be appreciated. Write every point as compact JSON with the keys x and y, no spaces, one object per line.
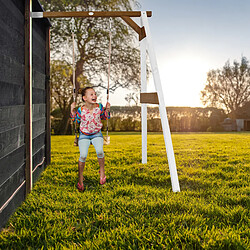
{"x":12,"y":102}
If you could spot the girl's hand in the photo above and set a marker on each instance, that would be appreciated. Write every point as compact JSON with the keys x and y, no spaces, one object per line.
{"x":108,"y":106}
{"x":73,"y":106}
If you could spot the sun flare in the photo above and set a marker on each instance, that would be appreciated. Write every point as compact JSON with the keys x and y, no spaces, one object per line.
{"x":182,"y":80}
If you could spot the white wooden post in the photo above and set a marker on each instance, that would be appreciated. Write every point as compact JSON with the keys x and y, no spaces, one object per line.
{"x":31,"y":99}
{"x":162,"y":107}
{"x":143,"y":106}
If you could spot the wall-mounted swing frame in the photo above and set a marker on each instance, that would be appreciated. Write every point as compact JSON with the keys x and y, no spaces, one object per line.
{"x":146,"y":46}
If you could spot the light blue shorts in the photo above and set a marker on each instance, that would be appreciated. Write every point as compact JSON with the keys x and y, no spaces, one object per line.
{"x":84,"y":142}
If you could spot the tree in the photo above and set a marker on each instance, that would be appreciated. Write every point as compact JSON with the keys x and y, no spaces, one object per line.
{"x":244,"y":111}
{"x":228,"y":88}
{"x":132,"y":98}
{"x":92,"y":41}
{"x":62,"y":92}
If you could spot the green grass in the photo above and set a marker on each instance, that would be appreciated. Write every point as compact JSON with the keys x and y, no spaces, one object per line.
{"x":136,"y":208}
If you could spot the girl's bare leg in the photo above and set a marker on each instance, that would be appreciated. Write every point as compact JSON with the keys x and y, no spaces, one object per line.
{"x":81,"y":166}
{"x":101,"y":164}
{"x":98,"y":144}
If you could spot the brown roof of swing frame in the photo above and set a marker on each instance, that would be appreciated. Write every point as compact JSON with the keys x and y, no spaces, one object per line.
{"x":94,"y":14}
{"x":125,"y":15}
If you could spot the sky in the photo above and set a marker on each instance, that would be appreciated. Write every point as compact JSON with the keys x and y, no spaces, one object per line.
{"x":191,"y":37}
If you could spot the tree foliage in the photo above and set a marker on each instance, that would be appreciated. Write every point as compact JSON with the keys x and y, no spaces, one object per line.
{"x":229,"y":87}
{"x":92,"y":41}
{"x":61,"y":90}
{"x":132,"y":98}
{"x":62,"y":93}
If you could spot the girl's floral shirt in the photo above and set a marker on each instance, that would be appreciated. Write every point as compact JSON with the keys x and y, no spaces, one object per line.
{"x":90,"y":123}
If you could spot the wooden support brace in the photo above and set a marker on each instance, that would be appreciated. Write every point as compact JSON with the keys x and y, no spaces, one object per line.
{"x":151,"y":98}
{"x":135,"y":27}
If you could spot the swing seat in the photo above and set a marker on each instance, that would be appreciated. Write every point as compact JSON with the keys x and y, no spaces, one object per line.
{"x":106,"y":140}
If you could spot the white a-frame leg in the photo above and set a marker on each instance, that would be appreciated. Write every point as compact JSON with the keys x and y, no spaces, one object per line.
{"x":147,"y":45}
{"x":144,"y":105}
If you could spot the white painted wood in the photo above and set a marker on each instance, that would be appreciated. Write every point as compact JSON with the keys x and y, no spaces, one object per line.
{"x":162,"y":107}
{"x":31,"y":100}
{"x":36,"y":14}
{"x":143,"y":106}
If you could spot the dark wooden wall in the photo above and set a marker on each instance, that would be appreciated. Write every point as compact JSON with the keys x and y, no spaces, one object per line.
{"x":12,"y":109}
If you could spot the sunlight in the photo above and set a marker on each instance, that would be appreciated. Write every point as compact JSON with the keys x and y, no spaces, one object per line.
{"x":182,"y":80}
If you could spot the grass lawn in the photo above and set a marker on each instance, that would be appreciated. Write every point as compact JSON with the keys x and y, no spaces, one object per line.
{"x":136,"y":208}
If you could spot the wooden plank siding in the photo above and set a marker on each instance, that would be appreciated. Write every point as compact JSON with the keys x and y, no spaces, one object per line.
{"x":12,"y":100}
{"x":39,"y":95}
{"x":12,"y":148}
{"x":48,"y":93}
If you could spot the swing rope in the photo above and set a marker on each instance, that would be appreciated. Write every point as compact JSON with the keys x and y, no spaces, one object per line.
{"x":109,"y":63}
{"x":74,"y":84}
{"x":110,"y":39}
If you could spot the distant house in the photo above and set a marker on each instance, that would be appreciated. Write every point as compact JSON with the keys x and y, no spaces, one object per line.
{"x":236,"y":125}
{"x":229,"y":124}
{"x":243,"y":124}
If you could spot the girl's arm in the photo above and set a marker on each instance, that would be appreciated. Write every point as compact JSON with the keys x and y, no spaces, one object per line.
{"x":105,"y":112}
{"x":75,"y":115}
{"x":73,"y":110}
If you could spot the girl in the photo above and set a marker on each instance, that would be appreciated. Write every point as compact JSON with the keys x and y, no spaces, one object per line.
{"x":89,"y":116}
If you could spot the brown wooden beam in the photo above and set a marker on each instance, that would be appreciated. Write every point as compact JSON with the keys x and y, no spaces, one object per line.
{"x":140,"y":30}
{"x":48,"y":89}
{"x":150,"y":98}
{"x":95,"y":14}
